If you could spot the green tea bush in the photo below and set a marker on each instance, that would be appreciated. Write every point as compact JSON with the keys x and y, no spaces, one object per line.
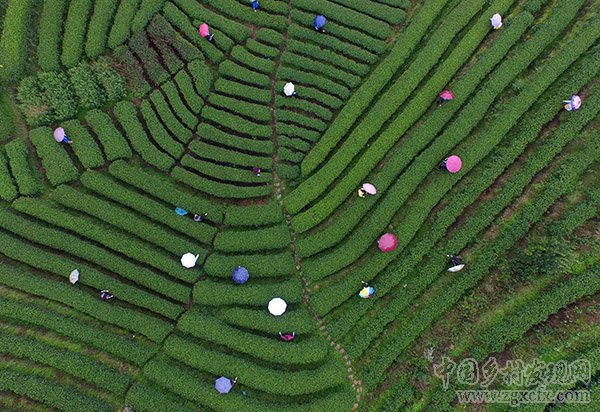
{"x":257,"y":112}
{"x":148,"y":399}
{"x":320,"y":83}
{"x":232,"y":88}
{"x":13,"y":42}
{"x":163,"y":34}
{"x":112,"y":83}
{"x":64,"y":325}
{"x":254,"y":215}
{"x":60,"y":95}
{"x":75,"y":29}
{"x":100,"y":23}
{"x":308,"y":350}
{"x":146,"y":11}
{"x":140,"y":45}
{"x":180,"y":109}
{"x":236,"y":240}
{"x":178,"y":129}
{"x":58,"y":166}
{"x":232,"y":9}
{"x":149,"y":326}
{"x":51,"y":25}
{"x":73,"y":363}
{"x":32,"y":103}
{"x":290,"y":116}
{"x":8,"y":190}
{"x":219,"y":293}
{"x":18,"y":160}
{"x":233,"y":70}
{"x":304,"y":105}
{"x":158,"y":133}
{"x":201,"y":76}
{"x":392,"y":15}
{"x":260,"y":265}
{"x":219,"y":154}
{"x":237,"y":124}
{"x":121,"y":28}
{"x":113,"y":143}
{"x":86,"y":86}
{"x":209,"y":132}
{"x":319,"y":54}
{"x":259,"y":64}
{"x":126,"y":114}
{"x":186,"y":87}
{"x":262,"y":50}
{"x":85,"y":147}
{"x":49,"y":393}
{"x":299,"y":320}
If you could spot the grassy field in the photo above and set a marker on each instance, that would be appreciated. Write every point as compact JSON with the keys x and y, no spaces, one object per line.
{"x":161,"y":118}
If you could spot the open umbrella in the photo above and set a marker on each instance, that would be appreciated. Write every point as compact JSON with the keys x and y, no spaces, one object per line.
{"x":320,"y":21}
{"x":240,"y":275}
{"x":188,"y":260}
{"x":203,"y":30}
{"x":369,"y":188}
{"x":446,"y":95}
{"x":366,"y":292}
{"x":496,"y":21}
{"x":575,"y":102}
{"x":456,"y":268}
{"x":289,"y":89}
{"x":277,"y":306}
{"x":59,"y":134}
{"x":180,"y":211}
{"x":387,"y":242}
{"x":74,"y":276}
{"x":453,"y":164}
{"x":223,"y":384}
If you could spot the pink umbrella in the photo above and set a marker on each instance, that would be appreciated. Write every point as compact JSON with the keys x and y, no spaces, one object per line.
{"x":575,"y":102}
{"x":453,"y":164}
{"x":59,"y":134}
{"x":446,"y":95}
{"x":369,"y":188}
{"x":387,"y":242}
{"x":203,"y":30}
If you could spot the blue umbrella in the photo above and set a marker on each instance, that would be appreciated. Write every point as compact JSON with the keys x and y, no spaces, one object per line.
{"x":223,"y":384}
{"x":180,"y":211}
{"x":319,"y":22}
{"x":240,"y":275}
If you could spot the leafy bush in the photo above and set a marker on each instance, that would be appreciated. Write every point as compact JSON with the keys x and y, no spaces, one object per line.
{"x":75,"y":29}
{"x":114,"y":144}
{"x":232,"y":88}
{"x":180,"y":109}
{"x":99,"y":26}
{"x":112,"y":83}
{"x":13,"y":42}
{"x":186,"y":87}
{"x":8,"y":190}
{"x":178,"y":130}
{"x":86,"y":86}
{"x":51,"y":25}
{"x":159,"y":133}
{"x":121,"y":28}
{"x":210,"y":132}
{"x":131,"y":69}
{"x":32,"y":102}
{"x":58,"y":166}
{"x":147,"y":10}
{"x":18,"y":159}
{"x":85,"y":147}
{"x":83,"y":332}
{"x":126,"y":114}
{"x":222,"y":293}
{"x":202,"y":77}
{"x":260,"y":265}
{"x":59,"y":93}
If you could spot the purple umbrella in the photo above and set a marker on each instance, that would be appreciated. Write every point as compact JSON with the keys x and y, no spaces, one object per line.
{"x":223,"y":384}
{"x":240,"y":275}
{"x":369,"y":188}
{"x":575,"y":102}
{"x":59,"y":134}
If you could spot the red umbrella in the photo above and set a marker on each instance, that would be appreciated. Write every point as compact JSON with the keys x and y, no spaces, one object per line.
{"x":203,"y":30}
{"x":446,"y":95}
{"x":387,"y":242}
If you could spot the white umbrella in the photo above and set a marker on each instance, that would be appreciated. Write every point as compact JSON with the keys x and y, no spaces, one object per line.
{"x":74,"y":276}
{"x":277,"y":306}
{"x":496,"y":21}
{"x":288,"y":89}
{"x":456,"y":268}
{"x":189,"y":260}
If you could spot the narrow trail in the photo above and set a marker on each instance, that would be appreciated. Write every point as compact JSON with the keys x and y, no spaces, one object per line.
{"x":278,"y":184}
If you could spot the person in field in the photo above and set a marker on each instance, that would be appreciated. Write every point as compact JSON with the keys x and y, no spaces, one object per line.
{"x":105,"y":295}
{"x":256,"y":170}
{"x":456,"y":260}
{"x":255,"y":5}
{"x":287,"y":337}
{"x":200,"y":218}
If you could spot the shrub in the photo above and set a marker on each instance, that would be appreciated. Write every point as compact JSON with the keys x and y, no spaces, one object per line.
{"x":86,"y":86}
{"x":237,"y":124}
{"x":179,"y":131}
{"x":209,"y":132}
{"x":8,"y":190}
{"x":112,"y":83}
{"x":219,"y":293}
{"x":329,"y":56}
{"x":62,"y":292}
{"x":165,"y":37}
{"x":114,"y":144}
{"x":276,"y":264}
{"x":202,"y":77}
{"x":51,"y":25}
{"x":50,"y":393}
{"x":13,"y":42}
{"x":158,"y":132}
{"x":254,"y":111}
{"x":249,"y":60}
{"x":255,"y":215}
{"x":60,"y":95}
{"x":77,"y":330}
{"x":186,"y":87}
{"x":232,"y":88}
{"x":57,"y":164}
{"x":261,"y":49}
{"x":18,"y":159}
{"x":126,"y":113}
{"x":147,"y":10}
{"x":32,"y":102}
{"x":274,"y":237}
{"x":188,"y":118}
{"x":99,"y":26}
{"x":75,"y":29}
{"x":140,"y":45}
{"x":121,"y":28}
{"x":132,"y":71}
{"x":224,"y":155}
{"x":85,"y":147}
{"x":146,"y":206}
